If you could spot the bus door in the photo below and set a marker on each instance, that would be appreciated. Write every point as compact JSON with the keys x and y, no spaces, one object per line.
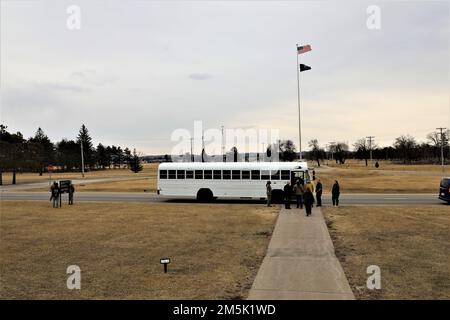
{"x":297,"y":175}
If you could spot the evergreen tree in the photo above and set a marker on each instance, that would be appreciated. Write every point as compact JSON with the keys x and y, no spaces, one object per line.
{"x":68,"y":154}
{"x":88,"y":150}
{"x":135,"y":164}
{"x":102,"y":156}
{"x":127,"y":157}
{"x":43,"y":150}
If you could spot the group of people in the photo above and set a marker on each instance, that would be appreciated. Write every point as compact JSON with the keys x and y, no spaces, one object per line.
{"x":55,"y":193}
{"x":304,"y":194}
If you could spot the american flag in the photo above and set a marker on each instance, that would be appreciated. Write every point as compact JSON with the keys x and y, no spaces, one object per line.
{"x":303,"y":49}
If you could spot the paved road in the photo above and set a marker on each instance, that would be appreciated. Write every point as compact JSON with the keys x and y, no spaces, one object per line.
{"x":45,"y":184}
{"x":300,"y":263}
{"x":418,"y":199}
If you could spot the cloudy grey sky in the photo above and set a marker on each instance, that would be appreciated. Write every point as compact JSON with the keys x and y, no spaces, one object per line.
{"x":138,"y":70}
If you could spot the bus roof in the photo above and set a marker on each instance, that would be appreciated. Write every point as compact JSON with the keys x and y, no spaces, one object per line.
{"x":233,"y":166}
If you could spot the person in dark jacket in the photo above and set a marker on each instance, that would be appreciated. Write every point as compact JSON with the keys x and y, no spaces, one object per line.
{"x":287,"y":195}
{"x":71,"y":192}
{"x":319,"y":193}
{"x":308,"y":200}
{"x":335,"y":192}
{"x":54,"y":191}
{"x":269,"y":193}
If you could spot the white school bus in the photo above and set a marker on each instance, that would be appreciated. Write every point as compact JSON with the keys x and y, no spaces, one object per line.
{"x":245,"y":180}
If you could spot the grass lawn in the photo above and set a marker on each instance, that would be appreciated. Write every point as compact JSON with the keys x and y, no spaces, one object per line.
{"x":371,"y":181}
{"x":354,"y":177}
{"x":411,"y":245}
{"x":385,"y":165}
{"x":215,"y":250}
{"x":148,"y":171}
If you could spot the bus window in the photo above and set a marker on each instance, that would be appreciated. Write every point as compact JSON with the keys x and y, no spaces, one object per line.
{"x":180,"y":174}
{"x":189,"y":174}
{"x":236,"y":175}
{"x":255,"y":174}
{"x":198,"y":174}
{"x":299,"y":175}
{"x":163,"y":174}
{"x":217,"y":174}
{"x":172,"y":174}
{"x":245,"y":175}
{"x":208,"y":174}
{"x":285,"y":175}
{"x":265,"y":174}
{"x":226,"y":174}
{"x":275,"y":175}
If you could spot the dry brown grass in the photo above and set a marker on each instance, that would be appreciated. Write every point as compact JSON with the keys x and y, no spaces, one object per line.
{"x":149,"y":171}
{"x":215,"y":250}
{"x":365,"y":181}
{"x":409,"y":243}
{"x":354,"y":178}
{"x":384,"y":165}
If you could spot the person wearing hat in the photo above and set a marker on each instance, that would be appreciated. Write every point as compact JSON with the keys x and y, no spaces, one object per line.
{"x":269,"y":193}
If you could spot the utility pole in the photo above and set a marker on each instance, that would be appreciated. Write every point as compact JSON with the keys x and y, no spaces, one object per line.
{"x":442,"y":146}
{"x":370,"y":145}
{"x":82,"y":158}
{"x":223,"y":145}
{"x":298,"y":104}
{"x":192,"y":154}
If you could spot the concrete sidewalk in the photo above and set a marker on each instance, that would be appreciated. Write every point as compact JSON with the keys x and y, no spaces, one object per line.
{"x":300,"y":263}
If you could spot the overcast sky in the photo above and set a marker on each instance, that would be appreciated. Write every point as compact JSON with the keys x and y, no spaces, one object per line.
{"x":138,"y":70}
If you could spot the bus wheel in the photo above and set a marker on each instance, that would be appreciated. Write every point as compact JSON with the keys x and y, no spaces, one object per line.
{"x":277,"y":196}
{"x":205,"y":195}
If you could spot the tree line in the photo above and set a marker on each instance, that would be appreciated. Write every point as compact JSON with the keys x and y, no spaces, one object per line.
{"x":36,"y":153}
{"x":405,"y":149}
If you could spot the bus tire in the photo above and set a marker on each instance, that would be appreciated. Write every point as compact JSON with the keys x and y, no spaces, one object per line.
{"x":205,"y":195}
{"x":277,"y":196}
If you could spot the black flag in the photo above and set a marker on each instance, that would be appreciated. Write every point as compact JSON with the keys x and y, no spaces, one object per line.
{"x":203,"y":155}
{"x":304,"y":67}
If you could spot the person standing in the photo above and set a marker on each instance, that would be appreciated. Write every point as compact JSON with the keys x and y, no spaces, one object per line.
{"x":287,"y":195}
{"x":319,"y":193}
{"x":308,"y":199}
{"x":310,"y":185}
{"x":54,"y":191}
{"x":298,"y":191}
{"x":335,"y":192}
{"x":71,"y":192}
{"x":269,"y":193}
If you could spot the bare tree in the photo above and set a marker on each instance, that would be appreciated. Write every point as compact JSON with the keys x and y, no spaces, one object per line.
{"x":317,"y":152}
{"x":362,"y":149}
{"x":405,"y":144}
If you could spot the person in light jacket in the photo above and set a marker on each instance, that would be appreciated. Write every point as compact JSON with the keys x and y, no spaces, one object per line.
{"x":299,"y":189}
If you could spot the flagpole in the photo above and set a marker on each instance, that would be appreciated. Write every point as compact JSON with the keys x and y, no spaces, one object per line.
{"x":298,"y":103}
